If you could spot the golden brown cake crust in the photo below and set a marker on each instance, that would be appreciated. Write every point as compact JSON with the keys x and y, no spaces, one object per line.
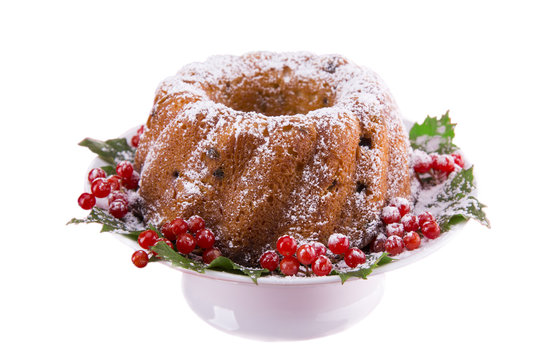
{"x":268,"y":144}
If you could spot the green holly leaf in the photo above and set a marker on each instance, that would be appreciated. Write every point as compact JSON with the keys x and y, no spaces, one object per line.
{"x":434,"y":135}
{"x":372,"y":262}
{"x":225,"y":264}
{"x":454,"y":203}
{"x":130,"y":229}
{"x":166,"y":253}
{"x":111,"y":151}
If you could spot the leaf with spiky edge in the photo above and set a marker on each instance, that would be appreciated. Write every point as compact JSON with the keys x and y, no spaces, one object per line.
{"x":434,"y":135}
{"x":458,"y":203}
{"x":111,"y":151}
{"x":109,"y":222}
{"x":166,"y":253}
{"x":363,"y":272}
{"x":222,"y":263}
{"x":109,"y":170}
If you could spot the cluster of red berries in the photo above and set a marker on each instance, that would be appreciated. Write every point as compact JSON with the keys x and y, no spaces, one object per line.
{"x":182,"y":236}
{"x":423,"y":162}
{"x":312,"y":254}
{"x":402,"y":228}
{"x":113,"y":187}
{"x":135,"y":139}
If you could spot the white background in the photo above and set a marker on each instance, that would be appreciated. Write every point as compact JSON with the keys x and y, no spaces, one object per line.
{"x":75,"y":69}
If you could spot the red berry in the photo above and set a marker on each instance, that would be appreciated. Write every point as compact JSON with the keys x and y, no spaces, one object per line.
{"x":289,"y":266}
{"x":424,"y":217}
{"x":395,"y":229}
{"x":458,"y":160}
{"x":87,"y":201}
{"x":179,"y":226}
{"x":338,"y":243}
{"x":393,"y":245}
{"x":402,"y":205}
{"x":140,"y":130}
{"x":186,"y":243}
{"x":390,"y":215}
{"x":319,"y":248}
{"x":140,"y":258}
{"x":305,"y":254}
{"x":147,"y":239}
{"x":135,"y":141}
{"x":286,"y":245}
{"x":195,"y":223}
{"x":118,"y":196}
{"x":431,"y":229}
{"x":172,"y":229}
{"x":210,"y":255}
{"x":269,"y":260}
{"x":205,"y":238}
{"x":378,"y":244}
{"x":321,"y":266}
{"x":115,"y":181}
{"x":96,"y":173}
{"x":411,"y":240}
{"x":354,"y":257}
{"x":118,"y":209}
{"x":421,"y":162}
{"x":410,"y":222}
{"x":100,"y":188}
{"x":133,"y":182}
{"x":444,"y":163}
{"x":124,"y":169}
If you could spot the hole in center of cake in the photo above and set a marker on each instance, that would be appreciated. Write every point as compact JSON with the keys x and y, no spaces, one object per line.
{"x":274,"y":93}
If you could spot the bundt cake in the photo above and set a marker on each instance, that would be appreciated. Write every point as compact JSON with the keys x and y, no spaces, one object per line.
{"x":268,"y":144}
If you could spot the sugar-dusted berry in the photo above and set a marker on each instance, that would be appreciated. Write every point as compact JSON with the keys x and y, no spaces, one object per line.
{"x":96,"y":173}
{"x":100,"y":188}
{"x":87,"y":201}
{"x":431,"y":229}
{"x":421,"y":162}
{"x":393,"y":245}
{"x":289,"y":266}
{"x":338,"y":243}
{"x":195,"y":224}
{"x":185,"y":243}
{"x":147,"y":239}
{"x":140,"y":258}
{"x":402,"y":204}
{"x":133,"y":182}
{"x":410,"y":222}
{"x":424,"y":217}
{"x":210,"y":255}
{"x":269,"y":260}
{"x":458,"y":160}
{"x":321,"y":266}
{"x":411,"y":240}
{"x":319,"y":248}
{"x":390,"y":215}
{"x":444,"y":163}
{"x":118,"y":209}
{"x":354,"y":257}
{"x":395,"y":229}
{"x":117,"y":196}
{"x":286,"y":245}
{"x":305,"y":254}
{"x":124,"y":169}
{"x":115,"y":182}
{"x":378,"y":244}
{"x":205,"y":238}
